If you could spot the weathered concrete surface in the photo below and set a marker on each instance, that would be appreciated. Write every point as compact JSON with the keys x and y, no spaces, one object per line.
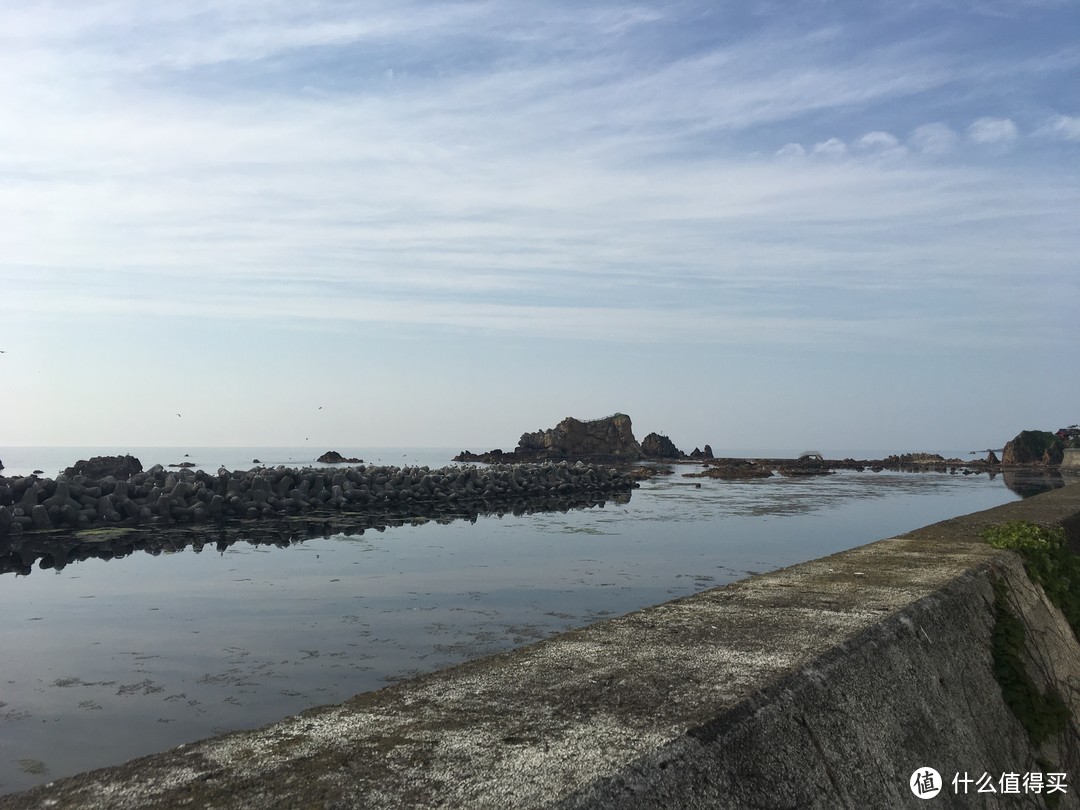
{"x":822,"y":685}
{"x":1071,"y":459}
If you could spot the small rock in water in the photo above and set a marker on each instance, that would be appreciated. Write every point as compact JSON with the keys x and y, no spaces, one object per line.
{"x":334,"y":457}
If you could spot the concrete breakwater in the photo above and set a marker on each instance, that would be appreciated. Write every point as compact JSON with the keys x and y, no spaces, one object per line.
{"x":159,"y":497}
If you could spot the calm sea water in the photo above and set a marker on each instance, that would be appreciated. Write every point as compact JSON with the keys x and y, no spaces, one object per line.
{"x":52,"y":460}
{"x":107,"y":660}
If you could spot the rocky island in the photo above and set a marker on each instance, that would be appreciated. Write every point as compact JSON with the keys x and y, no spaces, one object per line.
{"x":334,"y":457}
{"x":610,"y":439}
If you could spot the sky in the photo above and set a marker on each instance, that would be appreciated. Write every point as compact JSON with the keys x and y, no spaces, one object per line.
{"x":755,"y":224}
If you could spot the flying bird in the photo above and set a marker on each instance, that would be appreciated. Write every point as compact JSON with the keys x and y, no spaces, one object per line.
{"x":180,"y":416}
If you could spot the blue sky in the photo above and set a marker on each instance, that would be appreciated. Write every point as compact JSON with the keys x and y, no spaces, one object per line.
{"x":755,"y":224}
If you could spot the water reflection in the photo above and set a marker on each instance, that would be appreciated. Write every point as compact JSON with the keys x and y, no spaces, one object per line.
{"x":57,"y":550}
{"x":1028,"y":483}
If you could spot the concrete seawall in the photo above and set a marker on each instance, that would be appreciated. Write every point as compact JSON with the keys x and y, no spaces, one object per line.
{"x":826,"y":684}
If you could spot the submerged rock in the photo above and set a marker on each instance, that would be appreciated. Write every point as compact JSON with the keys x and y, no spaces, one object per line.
{"x":734,"y":469}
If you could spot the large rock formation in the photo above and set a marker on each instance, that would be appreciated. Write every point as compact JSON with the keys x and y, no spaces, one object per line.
{"x":119,"y":467}
{"x":610,"y":438}
{"x":656,"y":446}
{"x":1033,"y":447}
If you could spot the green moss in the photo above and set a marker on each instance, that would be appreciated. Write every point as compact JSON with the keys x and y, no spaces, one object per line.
{"x":1043,"y":714}
{"x":1048,"y":562}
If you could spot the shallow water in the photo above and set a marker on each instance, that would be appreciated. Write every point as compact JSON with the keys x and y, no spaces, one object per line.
{"x":106,"y":660}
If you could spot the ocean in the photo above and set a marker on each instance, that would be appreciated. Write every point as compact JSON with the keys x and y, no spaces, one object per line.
{"x":53,"y":460}
{"x":105,"y":660}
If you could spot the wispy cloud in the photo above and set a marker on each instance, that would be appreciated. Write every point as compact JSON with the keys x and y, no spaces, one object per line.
{"x":993,"y":131}
{"x":832,"y":148}
{"x":1063,"y":127}
{"x":934,"y":139}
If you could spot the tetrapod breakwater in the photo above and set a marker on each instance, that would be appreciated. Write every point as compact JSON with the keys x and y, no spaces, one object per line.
{"x":160,"y":497}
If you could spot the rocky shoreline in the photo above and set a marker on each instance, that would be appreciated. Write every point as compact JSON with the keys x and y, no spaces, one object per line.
{"x":159,"y":497}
